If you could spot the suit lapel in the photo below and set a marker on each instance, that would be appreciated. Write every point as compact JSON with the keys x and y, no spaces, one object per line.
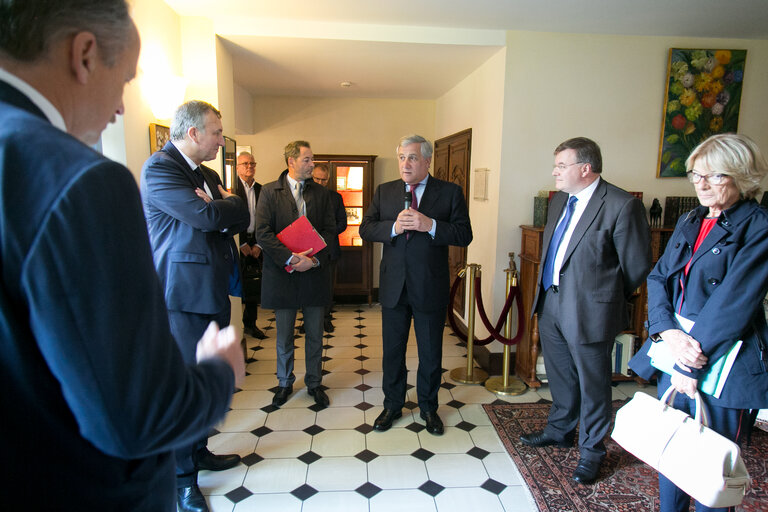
{"x":594,"y":206}
{"x":430,"y":195}
{"x":557,"y":205}
{"x":174,"y":153}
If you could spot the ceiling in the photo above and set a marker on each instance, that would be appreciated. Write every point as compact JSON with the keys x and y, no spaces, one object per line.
{"x":399,"y":48}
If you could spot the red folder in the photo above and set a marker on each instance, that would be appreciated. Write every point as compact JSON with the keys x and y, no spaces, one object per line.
{"x":299,"y":236}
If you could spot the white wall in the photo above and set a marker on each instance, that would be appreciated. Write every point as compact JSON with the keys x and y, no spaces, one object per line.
{"x":608,"y":88}
{"x":476,"y":102}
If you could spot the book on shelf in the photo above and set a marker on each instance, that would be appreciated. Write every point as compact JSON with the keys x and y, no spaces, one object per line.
{"x":676,"y":206}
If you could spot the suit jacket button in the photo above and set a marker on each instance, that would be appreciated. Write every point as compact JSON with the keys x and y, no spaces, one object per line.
{"x":716,"y":250}
{"x":713,"y":281}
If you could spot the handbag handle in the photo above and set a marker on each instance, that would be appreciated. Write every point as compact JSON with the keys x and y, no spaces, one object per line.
{"x":701,"y":416}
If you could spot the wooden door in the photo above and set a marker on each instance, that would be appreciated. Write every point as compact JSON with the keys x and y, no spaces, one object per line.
{"x":451,"y":163}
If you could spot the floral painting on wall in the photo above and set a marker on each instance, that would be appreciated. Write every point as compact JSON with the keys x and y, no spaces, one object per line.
{"x":702,"y":99}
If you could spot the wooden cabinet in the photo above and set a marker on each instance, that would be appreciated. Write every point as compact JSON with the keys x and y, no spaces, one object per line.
{"x":530,"y":255}
{"x":352,"y":177}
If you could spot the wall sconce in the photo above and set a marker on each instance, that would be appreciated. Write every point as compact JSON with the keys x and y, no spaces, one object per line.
{"x":163,"y":93}
{"x":162,"y":90}
{"x":481,"y":184}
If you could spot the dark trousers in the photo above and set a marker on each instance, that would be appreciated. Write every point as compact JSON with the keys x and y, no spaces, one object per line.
{"x":428,"y":325}
{"x":250,"y":273}
{"x":329,"y":307}
{"x":580,"y":381}
{"x":285,"y":320}
{"x":730,"y":423}
{"x":187,"y":329}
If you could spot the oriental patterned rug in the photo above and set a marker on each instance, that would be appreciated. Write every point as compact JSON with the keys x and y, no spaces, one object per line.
{"x":625,"y":483}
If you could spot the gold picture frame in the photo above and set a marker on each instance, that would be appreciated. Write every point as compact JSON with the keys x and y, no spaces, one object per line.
{"x":159,"y":135}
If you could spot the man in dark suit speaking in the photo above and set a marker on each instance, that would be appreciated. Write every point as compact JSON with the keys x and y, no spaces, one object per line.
{"x":94,"y":393}
{"x":192,"y":221}
{"x":597,"y":252}
{"x":416,"y":218}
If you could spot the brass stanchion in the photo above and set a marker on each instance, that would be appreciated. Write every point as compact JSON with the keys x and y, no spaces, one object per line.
{"x":470,"y":374}
{"x":505,"y":385}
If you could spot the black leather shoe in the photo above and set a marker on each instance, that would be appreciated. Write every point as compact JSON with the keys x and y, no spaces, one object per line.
{"x":386,"y":418}
{"x":190,"y":499}
{"x":434,"y":423}
{"x":328,"y":326}
{"x":541,"y":438}
{"x":586,"y":472}
{"x":255,"y":332}
{"x":281,"y":395}
{"x":321,"y":398}
{"x":207,"y":460}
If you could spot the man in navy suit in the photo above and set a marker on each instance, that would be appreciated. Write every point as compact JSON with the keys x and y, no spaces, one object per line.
{"x":94,"y":393}
{"x":597,"y":251}
{"x":192,"y":221}
{"x":414,"y":277}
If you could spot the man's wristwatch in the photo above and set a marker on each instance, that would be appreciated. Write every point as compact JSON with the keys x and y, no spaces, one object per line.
{"x":315,"y":262}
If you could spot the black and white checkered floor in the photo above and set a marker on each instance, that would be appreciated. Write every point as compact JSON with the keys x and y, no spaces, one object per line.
{"x":301,"y":459}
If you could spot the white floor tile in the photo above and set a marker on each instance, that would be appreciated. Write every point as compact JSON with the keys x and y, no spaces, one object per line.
{"x":501,"y":468}
{"x":275,"y":475}
{"x":269,"y":502}
{"x":463,"y":499}
{"x":342,"y":380}
{"x":407,"y":500}
{"x":517,"y":499}
{"x":397,"y":472}
{"x":338,"y":443}
{"x":340,"y":417}
{"x":251,"y":399}
{"x":336,"y":502}
{"x":337,"y":474}
{"x":395,"y":441}
{"x":344,"y":397}
{"x":454,"y":440}
{"x":291,"y":419}
{"x":277,"y":445}
{"x":456,"y":470}
{"x":242,"y":420}
{"x":487,"y":439}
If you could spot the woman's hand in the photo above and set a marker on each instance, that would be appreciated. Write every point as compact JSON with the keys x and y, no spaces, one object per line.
{"x":687,"y":350}
{"x":684,"y":384}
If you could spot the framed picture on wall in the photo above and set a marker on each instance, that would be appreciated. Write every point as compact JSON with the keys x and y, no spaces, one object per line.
{"x":703,"y":94}
{"x":158,"y":136}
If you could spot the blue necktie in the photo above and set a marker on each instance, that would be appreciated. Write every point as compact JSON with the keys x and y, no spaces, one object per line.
{"x":554,"y":244}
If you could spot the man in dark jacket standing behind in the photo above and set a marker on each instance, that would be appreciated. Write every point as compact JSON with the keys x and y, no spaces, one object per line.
{"x":292,"y":281}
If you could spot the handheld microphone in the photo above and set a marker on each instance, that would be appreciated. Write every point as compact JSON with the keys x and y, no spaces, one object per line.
{"x":407,"y":199}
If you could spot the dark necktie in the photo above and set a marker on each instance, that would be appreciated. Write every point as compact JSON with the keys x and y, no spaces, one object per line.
{"x":199,"y":180}
{"x":554,"y":244}
{"x":414,"y":205}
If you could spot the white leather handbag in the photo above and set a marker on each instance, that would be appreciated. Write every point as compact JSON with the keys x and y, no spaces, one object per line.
{"x":705,"y":465}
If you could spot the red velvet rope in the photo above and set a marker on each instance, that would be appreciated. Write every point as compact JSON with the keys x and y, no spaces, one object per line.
{"x":495,"y":332}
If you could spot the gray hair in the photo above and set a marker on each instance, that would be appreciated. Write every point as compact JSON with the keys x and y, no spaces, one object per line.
{"x":426,"y":146}
{"x":28,"y":28}
{"x":734,"y":155}
{"x":188,"y":115}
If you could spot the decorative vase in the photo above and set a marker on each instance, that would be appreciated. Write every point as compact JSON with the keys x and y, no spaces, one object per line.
{"x":540,"y":205}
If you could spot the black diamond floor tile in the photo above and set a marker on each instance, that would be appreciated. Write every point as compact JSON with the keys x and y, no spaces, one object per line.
{"x":257,"y":347}
{"x":366,"y":456}
{"x":361,"y":358}
{"x":422,"y":454}
{"x":415,"y":427}
{"x":478,"y":453}
{"x":410,"y":405}
{"x":363,"y":387}
{"x":368,"y":490}
{"x":364,"y":406}
{"x":313,"y":430}
{"x":269,"y":408}
{"x":251,"y":459}
{"x":261,"y":431}
{"x":238,"y":495}
{"x":360,"y":346}
{"x":304,"y":492}
{"x":325,"y":359}
{"x":328,"y":336}
{"x":359,"y":326}
{"x":409,"y":387}
{"x":447,"y":385}
{"x":325,"y":372}
{"x":493,"y":486}
{"x":431,"y":488}
{"x":316,"y":407}
{"x":309,"y":457}
{"x":465,"y":426}
{"x":326,"y":347}
{"x":499,"y":402}
{"x":362,"y":371}
{"x":456,"y":404}
{"x":361,"y":335}
{"x":364,"y":428}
